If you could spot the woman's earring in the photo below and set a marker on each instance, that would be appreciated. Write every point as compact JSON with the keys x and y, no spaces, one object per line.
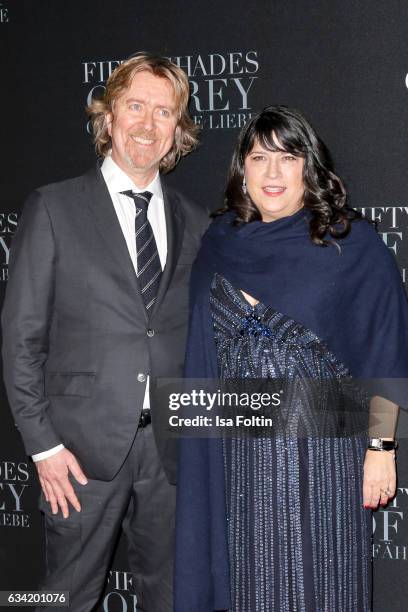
{"x":244,"y":187}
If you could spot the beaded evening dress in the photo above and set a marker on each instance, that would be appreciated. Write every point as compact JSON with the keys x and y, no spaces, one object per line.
{"x":298,"y":536}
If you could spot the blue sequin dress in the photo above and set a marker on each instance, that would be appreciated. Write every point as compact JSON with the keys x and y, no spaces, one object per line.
{"x":299,"y":538}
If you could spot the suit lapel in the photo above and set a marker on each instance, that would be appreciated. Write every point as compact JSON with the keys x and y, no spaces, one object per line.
{"x":103,"y":213}
{"x":175,"y":222}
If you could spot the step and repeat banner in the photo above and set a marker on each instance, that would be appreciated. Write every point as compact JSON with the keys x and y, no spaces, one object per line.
{"x":343,"y":63}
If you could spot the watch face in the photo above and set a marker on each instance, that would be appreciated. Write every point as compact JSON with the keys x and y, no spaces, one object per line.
{"x":379,"y":444}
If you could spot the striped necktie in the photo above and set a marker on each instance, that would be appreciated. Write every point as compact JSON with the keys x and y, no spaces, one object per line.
{"x":148,"y":262}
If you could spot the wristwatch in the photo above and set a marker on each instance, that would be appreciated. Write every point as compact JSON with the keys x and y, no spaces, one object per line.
{"x":378,"y":444}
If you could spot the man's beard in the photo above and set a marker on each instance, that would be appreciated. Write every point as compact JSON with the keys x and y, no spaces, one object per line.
{"x":149,"y":161}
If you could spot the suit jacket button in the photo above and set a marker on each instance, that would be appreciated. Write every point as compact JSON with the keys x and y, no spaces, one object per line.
{"x":141,"y":377}
{"x":150,"y":333}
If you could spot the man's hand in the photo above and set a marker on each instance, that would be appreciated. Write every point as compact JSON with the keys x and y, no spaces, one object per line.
{"x":53,"y":474}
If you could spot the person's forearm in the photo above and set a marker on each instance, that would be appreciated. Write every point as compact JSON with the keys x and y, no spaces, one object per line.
{"x":383,"y":418}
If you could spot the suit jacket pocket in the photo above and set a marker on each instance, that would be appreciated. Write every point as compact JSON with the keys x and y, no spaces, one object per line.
{"x":70,"y":383}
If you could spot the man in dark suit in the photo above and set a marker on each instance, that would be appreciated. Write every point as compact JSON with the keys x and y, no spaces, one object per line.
{"x":102,"y":314}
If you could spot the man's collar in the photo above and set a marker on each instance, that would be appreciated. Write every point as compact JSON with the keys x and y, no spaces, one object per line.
{"x":117,"y":180}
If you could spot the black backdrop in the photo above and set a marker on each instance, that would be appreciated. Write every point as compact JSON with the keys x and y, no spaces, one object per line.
{"x":344,"y":63}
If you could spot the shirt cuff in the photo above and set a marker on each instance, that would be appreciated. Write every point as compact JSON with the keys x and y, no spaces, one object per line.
{"x":48,"y":453}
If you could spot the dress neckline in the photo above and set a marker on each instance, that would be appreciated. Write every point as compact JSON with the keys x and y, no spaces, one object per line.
{"x":238,"y":297}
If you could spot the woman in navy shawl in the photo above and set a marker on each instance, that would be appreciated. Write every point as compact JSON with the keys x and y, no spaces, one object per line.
{"x":290,"y":284}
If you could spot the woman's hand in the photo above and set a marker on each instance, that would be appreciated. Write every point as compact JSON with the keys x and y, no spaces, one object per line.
{"x":379,"y":483}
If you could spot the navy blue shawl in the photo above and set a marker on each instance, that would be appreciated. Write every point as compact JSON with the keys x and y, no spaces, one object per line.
{"x":350,"y":295}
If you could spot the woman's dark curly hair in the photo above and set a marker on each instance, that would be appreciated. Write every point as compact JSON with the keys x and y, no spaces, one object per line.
{"x":324,"y":197}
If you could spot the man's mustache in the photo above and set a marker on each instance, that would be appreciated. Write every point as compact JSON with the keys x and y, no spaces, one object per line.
{"x":144,"y":134}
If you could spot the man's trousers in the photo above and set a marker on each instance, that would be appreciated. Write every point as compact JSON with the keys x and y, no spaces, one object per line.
{"x":79,"y":549}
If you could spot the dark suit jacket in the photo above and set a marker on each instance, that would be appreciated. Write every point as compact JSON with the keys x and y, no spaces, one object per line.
{"x":76,"y":351}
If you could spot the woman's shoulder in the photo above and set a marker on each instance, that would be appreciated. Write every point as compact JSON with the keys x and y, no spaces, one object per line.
{"x":220,"y":224}
{"x":367,"y":241}
{"x":365,"y":232}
